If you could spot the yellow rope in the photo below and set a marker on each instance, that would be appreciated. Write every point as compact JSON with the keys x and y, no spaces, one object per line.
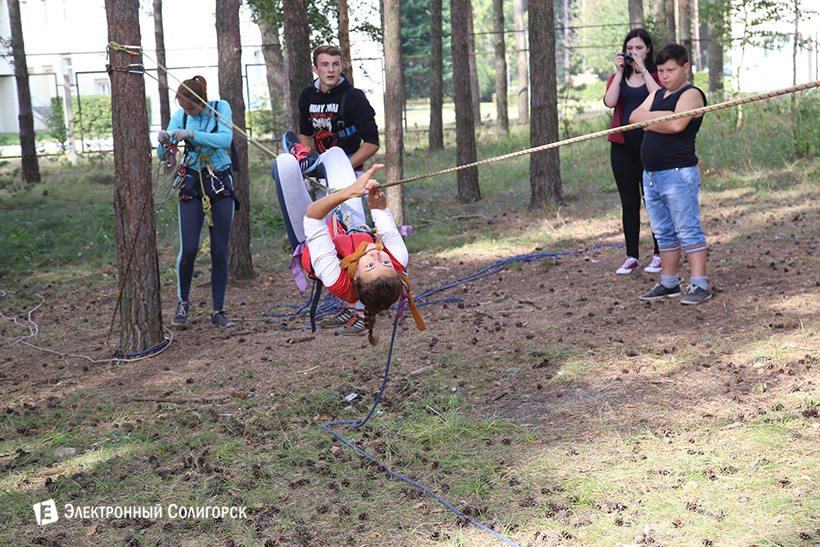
{"x":206,"y":201}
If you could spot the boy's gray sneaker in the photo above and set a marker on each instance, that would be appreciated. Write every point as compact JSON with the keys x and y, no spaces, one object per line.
{"x":181,"y":315}
{"x":221,"y":319}
{"x":696,"y":295}
{"x":660,"y":292}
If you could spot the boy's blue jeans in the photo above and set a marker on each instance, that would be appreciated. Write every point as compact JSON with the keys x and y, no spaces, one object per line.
{"x":674,"y":212}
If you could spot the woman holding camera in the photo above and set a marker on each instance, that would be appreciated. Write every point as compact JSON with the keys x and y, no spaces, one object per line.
{"x":634,"y":79}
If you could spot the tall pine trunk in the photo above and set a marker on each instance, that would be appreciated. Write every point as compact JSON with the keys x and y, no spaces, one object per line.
{"x":475,"y":92}
{"x":502,"y":117}
{"x":436,"y":78}
{"x":30,"y":165}
{"x":298,"y":53}
{"x":344,"y":39}
{"x":138,"y":266}
{"x":545,"y":166}
{"x":467,"y":179}
{"x":521,"y":64}
{"x":393,"y":106}
{"x":229,"y":51}
{"x":274,"y":68}
{"x":162,"y":76}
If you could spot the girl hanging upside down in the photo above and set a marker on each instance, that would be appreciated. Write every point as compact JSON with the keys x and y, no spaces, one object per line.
{"x":356,"y":264}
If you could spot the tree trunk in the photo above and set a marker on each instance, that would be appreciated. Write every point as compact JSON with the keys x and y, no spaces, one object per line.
{"x":229,"y":51}
{"x":794,"y":75}
{"x":162,"y":76}
{"x":671,"y":27}
{"x":344,"y":39}
{"x":30,"y":165}
{"x":567,"y":60}
{"x":475,"y":92}
{"x":522,"y":66}
{"x":502,"y":117}
{"x":69,"y":118}
{"x":467,"y":179}
{"x":545,"y":166}
{"x":697,"y":39}
{"x":274,"y":67}
{"x":685,"y":27}
{"x":393,"y":106}
{"x":635,"y":13}
{"x":714,"y":52}
{"x":436,"y":79}
{"x":298,"y":53}
{"x":139,"y":305}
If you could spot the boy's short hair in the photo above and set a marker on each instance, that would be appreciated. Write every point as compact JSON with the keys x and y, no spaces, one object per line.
{"x":327,"y":49}
{"x":672,"y":51}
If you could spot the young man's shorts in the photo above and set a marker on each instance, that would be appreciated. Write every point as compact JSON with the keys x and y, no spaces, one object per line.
{"x":672,"y":205}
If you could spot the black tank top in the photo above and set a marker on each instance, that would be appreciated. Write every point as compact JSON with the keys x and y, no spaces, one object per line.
{"x":660,"y":151}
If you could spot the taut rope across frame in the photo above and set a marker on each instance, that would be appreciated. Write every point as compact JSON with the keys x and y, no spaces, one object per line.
{"x":622,"y":129}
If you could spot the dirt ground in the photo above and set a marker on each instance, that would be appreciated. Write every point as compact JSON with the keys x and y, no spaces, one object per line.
{"x":557,"y":344}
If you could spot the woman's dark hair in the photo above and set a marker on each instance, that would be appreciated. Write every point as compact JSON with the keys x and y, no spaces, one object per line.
{"x":649,"y":62}
{"x":196,"y":85}
{"x":376,"y":295}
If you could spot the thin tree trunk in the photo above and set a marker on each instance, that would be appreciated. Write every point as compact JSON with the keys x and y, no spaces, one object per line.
{"x":69,"y":118}
{"x":30,"y":165}
{"x":436,"y":79}
{"x":139,"y":305}
{"x":467,"y":179}
{"x":162,"y":76}
{"x":635,"y":13}
{"x":274,"y":67}
{"x":697,"y":39}
{"x":545,"y":166}
{"x":685,"y":27}
{"x":393,"y":106}
{"x":344,"y":39}
{"x":671,"y":26}
{"x":714,"y":50}
{"x":567,"y":60}
{"x":521,"y":65}
{"x":475,"y":92}
{"x":229,"y":51}
{"x":298,"y":53}
{"x":794,"y":75}
{"x":502,"y":117}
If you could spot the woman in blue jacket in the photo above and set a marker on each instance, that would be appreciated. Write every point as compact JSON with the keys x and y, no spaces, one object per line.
{"x":206,"y":190}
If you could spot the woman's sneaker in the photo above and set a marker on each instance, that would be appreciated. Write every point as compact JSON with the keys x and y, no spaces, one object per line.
{"x":181,"y":315}
{"x":629,"y":266}
{"x":655,"y":265}
{"x":221,"y":320}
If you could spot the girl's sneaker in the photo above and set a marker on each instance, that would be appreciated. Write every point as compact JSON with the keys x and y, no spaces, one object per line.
{"x":354,"y":326}
{"x":629,"y":266}
{"x":221,"y":320}
{"x":655,"y":265}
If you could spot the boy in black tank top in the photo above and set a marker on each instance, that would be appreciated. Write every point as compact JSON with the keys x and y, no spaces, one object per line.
{"x":671,"y":178}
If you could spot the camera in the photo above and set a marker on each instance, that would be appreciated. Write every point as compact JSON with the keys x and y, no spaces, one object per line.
{"x":627,"y":57}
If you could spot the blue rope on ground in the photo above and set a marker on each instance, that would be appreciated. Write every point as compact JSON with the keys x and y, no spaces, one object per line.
{"x":356,"y":424}
{"x":158,"y":347}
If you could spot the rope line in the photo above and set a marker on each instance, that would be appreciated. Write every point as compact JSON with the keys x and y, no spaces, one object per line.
{"x":622,"y":129}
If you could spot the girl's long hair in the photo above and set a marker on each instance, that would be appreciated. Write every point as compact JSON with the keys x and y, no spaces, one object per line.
{"x":376,"y":295}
